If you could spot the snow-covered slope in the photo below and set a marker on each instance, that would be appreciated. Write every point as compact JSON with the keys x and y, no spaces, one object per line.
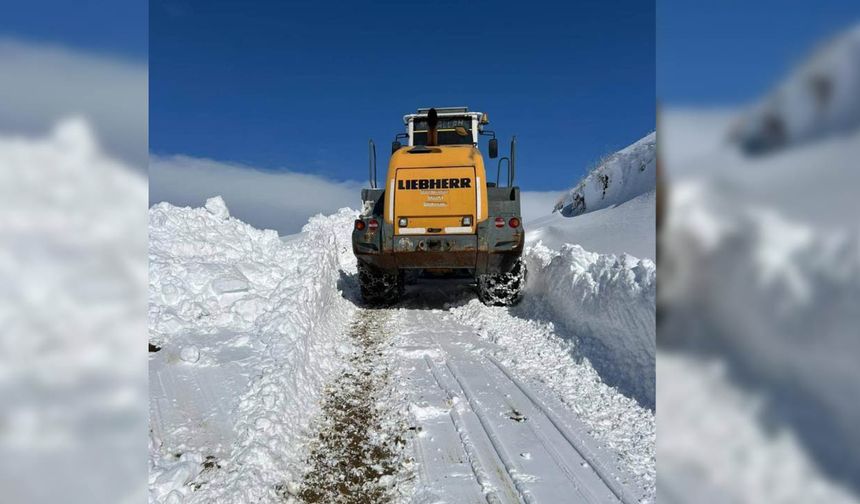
{"x":818,"y":99}
{"x":606,"y":302}
{"x":627,"y":228}
{"x":759,"y":275}
{"x":618,"y":178}
{"x":777,"y":300}
{"x":611,"y":210}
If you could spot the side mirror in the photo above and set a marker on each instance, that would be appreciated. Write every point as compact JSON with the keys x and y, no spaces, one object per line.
{"x":394,"y":146}
{"x":494,"y":148}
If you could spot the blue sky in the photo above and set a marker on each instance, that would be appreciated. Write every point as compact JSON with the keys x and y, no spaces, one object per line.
{"x":109,"y":27}
{"x":303,"y":85}
{"x":83,"y":58}
{"x":733,"y":51}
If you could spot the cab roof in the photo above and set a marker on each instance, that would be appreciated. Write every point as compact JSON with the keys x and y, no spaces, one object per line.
{"x":443,"y":112}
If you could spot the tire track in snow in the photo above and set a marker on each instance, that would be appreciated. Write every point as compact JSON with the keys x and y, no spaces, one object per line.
{"x":355,"y":458}
{"x":504,"y":482}
{"x":517,"y":445}
{"x":604,"y":473}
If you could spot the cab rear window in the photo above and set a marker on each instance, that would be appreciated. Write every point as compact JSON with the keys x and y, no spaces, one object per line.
{"x":446,"y":131}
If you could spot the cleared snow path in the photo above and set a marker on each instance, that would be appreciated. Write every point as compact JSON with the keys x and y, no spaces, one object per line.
{"x":271,"y":383}
{"x":425,"y":413}
{"x":485,"y":435}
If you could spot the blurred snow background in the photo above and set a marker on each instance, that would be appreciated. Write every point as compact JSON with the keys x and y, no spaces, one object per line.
{"x":73,"y":201}
{"x":759,"y":284}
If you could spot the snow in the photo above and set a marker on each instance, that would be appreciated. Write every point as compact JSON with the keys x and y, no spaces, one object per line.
{"x":538,"y":349}
{"x":266,"y":318}
{"x":217,"y":207}
{"x":742,"y":461}
{"x":607,"y":302}
{"x":189,"y":353}
{"x":258,"y":325}
{"x":71,"y":258}
{"x":759,"y":289}
{"x":611,"y":210}
{"x":817,"y":99}
{"x":255,"y":329}
{"x":772,"y":283}
{"x":626,"y":228}
{"x":619,"y":177}
{"x":508,"y":384}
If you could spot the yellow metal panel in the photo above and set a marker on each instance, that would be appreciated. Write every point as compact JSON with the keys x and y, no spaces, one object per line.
{"x":428,"y":187}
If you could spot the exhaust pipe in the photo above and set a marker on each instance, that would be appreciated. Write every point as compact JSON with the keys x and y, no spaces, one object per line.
{"x":432,"y":123}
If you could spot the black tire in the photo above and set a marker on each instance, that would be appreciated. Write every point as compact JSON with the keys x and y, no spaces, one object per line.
{"x":378,"y":287}
{"x":503,"y":289}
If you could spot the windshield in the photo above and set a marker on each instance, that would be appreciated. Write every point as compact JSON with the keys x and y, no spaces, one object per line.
{"x":447,"y":135}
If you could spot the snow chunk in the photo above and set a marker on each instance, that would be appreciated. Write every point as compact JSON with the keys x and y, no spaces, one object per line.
{"x":190,"y":354}
{"x":230,"y":284}
{"x":217,"y":207}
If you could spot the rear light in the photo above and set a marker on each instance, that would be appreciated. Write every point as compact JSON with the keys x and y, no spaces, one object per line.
{"x":359,"y":225}
{"x":373,"y":224}
{"x":514,"y":222}
{"x":403,"y":222}
{"x":500,"y":222}
{"x":467,"y":220}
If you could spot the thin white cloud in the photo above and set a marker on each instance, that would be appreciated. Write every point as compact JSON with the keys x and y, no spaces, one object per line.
{"x":273,"y":200}
{"x":281,"y":200}
{"x":40,"y":84}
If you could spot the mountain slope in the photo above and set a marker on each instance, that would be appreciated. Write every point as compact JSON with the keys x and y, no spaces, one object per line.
{"x":611,"y":210}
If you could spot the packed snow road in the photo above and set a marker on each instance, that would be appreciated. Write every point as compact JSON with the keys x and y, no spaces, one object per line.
{"x":273,"y":383}
{"x":476,"y":432}
{"x":484,"y":434}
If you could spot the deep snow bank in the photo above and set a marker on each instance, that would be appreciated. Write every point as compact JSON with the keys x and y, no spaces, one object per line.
{"x":718,"y":441}
{"x":263,"y":319}
{"x":608,"y":303}
{"x":777,"y":299}
{"x":618,"y":178}
{"x":72,"y":384}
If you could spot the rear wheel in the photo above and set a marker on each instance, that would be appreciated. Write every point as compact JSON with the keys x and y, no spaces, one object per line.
{"x":503,"y":289}
{"x":379,"y":287}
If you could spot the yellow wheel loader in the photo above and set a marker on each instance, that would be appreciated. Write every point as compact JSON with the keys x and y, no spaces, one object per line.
{"x":438,"y":213}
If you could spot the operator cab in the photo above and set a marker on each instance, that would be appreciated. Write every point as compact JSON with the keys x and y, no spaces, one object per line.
{"x":455,"y":126}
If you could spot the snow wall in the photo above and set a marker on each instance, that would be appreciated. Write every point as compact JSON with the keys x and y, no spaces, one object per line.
{"x":211,"y":273}
{"x":608,"y":303}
